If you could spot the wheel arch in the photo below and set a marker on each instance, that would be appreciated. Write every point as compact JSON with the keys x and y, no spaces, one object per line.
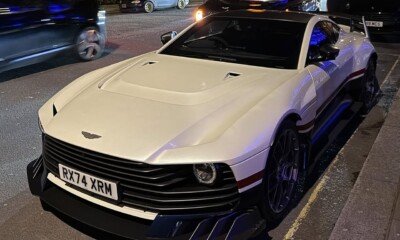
{"x":374,"y":57}
{"x":304,"y":138}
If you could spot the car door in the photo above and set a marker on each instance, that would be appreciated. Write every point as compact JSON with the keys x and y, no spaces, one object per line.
{"x":329,"y":75}
{"x":164,"y":3}
{"x":21,"y":29}
{"x":62,"y":22}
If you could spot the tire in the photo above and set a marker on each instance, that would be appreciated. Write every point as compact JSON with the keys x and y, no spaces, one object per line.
{"x":90,"y":44}
{"x":181,"y":4}
{"x":148,"y":7}
{"x":369,"y":88}
{"x":284,"y":179}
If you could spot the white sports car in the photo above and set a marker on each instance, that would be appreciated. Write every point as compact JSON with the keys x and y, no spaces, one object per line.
{"x":208,"y":136}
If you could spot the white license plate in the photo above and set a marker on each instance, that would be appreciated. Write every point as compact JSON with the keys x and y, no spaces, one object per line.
{"x":374,"y":24}
{"x":123,"y":5}
{"x":88,"y":182}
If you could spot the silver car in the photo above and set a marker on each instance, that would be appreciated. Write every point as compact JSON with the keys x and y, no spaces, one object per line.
{"x":150,"y":5}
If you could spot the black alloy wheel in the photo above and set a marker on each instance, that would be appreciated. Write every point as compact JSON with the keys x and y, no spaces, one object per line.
{"x":369,"y":88}
{"x":284,"y":178}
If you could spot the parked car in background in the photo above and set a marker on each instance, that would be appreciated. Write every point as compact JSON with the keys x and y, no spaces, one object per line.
{"x":382,"y":16}
{"x":32,"y":31}
{"x":215,"y":6}
{"x":150,"y":5}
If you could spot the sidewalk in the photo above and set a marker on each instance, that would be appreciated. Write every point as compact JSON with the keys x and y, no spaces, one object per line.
{"x":372,"y":211}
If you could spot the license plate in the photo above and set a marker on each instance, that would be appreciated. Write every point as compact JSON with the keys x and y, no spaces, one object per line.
{"x":88,"y":182}
{"x":123,"y":5}
{"x":374,"y":24}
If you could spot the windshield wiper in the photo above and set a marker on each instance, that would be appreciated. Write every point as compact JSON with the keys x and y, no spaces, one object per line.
{"x":200,"y":38}
{"x":220,"y":58}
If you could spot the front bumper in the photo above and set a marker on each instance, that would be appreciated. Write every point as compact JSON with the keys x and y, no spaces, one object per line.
{"x":239,"y":224}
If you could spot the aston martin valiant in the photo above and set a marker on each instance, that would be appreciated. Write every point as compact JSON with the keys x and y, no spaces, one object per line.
{"x":208,"y":136}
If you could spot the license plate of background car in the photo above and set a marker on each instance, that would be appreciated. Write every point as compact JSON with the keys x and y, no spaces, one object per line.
{"x":88,"y":182}
{"x":123,"y":5}
{"x":374,"y":24}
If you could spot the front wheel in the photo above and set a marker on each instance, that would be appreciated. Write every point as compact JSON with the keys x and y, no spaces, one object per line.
{"x":148,"y":7}
{"x":284,"y":179}
{"x":90,"y":44}
{"x":369,"y":88}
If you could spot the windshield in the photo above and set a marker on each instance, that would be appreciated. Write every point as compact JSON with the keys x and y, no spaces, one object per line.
{"x":258,"y":42}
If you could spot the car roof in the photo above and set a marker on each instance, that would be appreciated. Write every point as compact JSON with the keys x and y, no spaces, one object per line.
{"x":301,"y":17}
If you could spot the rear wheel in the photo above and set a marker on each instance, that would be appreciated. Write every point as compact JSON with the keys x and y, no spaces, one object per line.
{"x":284,"y":179}
{"x":181,"y":4}
{"x":90,"y":44}
{"x":369,"y":88}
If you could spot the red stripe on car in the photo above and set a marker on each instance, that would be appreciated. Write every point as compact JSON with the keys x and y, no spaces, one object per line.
{"x":250,"y":180}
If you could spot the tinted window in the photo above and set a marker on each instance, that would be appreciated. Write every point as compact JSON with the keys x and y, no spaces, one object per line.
{"x":259,"y":42}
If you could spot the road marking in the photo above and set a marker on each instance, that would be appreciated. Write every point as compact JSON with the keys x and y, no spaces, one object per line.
{"x":391,"y":71}
{"x":304,"y":212}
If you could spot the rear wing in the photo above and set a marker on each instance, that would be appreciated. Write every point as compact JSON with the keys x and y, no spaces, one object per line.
{"x":355,"y":23}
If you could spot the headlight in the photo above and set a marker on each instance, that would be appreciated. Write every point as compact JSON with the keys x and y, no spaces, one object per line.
{"x":135,"y":2}
{"x":206,"y":173}
{"x":199,"y":15}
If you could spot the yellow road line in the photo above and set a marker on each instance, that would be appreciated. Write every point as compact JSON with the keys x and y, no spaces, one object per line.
{"x":304,"y":212}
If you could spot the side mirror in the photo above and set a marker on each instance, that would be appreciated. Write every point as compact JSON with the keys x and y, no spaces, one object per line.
{"x":166,"y":37}
{"x":329,"y":52}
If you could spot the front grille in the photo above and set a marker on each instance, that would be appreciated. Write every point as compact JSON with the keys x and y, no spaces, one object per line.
{"x":160,"y":189}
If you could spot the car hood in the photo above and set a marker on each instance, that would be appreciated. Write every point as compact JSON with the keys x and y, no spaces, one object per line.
{"x":157,"y":102}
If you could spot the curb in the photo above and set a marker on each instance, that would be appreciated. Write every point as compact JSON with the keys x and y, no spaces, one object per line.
{"x":372,"y":210}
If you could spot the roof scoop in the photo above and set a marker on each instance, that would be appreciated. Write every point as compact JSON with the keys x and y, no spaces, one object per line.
{"x":231,"y":75}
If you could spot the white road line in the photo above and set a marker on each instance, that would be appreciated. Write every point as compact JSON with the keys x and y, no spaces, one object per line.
{"x":391,"y":71}
{"x":322,"y":183}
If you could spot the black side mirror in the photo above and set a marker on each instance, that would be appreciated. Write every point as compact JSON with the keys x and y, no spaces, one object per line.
{"x":329,"y":52}
{"x":166,"y":37}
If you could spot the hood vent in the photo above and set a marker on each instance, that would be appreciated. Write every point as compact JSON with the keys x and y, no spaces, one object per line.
{"x":231,"y":75}
{"x":54,"y":110}
{"x":149,"y":63}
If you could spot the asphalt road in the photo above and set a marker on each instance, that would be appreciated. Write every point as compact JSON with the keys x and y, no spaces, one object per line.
{"x":23,"y":91}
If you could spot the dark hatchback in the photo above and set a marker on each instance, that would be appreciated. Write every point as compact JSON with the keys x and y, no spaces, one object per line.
{"x":32,"y":31}
{"x":215,"y":6}
{"x":382,"y":16}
